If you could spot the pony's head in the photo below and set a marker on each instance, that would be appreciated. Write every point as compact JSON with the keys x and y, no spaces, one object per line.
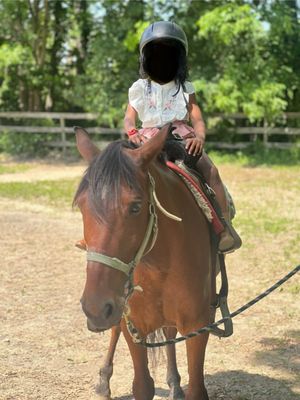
{"x":113,"y":198}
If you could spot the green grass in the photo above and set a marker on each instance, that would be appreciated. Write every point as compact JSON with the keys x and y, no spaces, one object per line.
{"x":257,"y":156}
{"x":262,"y":224}
{"x":12,"y":169}
{"x":54,"y":193}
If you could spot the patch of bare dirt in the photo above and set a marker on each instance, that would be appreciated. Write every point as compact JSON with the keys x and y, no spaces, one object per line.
{"x":46,"y":352}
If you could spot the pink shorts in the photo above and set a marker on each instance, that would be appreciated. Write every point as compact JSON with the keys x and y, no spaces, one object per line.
{"x":182,"y":129}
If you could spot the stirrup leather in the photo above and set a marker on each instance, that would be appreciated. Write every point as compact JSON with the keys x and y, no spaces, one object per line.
{"x":222,"y":303}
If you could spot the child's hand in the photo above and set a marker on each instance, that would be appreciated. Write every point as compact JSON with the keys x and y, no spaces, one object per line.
{"x":194,"y":146}
{"x":138,"y":139}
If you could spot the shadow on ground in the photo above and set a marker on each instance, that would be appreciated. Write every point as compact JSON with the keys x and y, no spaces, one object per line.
{"x":240,"y":385}
{"x":281,"y":354}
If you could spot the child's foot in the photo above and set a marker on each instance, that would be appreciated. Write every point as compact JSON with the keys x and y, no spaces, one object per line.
{"x":229,"y":240}
{"x":80,"y":244}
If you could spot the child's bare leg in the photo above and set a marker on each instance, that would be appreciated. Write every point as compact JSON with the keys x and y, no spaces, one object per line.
{"x":212,"y":177}
{"x":229,"y":239}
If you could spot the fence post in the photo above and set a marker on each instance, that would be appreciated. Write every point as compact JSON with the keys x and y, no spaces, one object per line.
{"x":63,"y":136}
{"x":265,"y":134}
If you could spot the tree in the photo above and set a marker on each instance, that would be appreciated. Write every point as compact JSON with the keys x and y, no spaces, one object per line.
{"x":42,"y":53}
{"x":244,"y":55}
{"x":241,"y":71}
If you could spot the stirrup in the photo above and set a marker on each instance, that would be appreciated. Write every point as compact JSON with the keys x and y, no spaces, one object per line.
{"x":222,"y":303}
{"x":237,"y":241}
{"x":228,"y":326}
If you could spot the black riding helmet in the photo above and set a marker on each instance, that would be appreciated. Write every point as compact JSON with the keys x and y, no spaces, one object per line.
{"x":163,"y":53}
{"x":163,"y":30}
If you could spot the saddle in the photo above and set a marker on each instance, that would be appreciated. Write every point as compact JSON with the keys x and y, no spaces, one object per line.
{"x":202,"y":193}
{"x":183,"y":165}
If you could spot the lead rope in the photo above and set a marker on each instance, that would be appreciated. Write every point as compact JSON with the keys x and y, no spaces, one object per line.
{"x":210,"y":327}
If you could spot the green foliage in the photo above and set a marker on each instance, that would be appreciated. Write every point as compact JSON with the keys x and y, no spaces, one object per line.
{"x":247,"y":79}
{"x":42,"y":45}
{"x":266,"y":102}
{"x":230,"y":25}
{"x":33,"y":144}
{"x":132,"y":39}
{"x":28,"y":144}
{"x":223,"y":95}
{"x":82,"y":55}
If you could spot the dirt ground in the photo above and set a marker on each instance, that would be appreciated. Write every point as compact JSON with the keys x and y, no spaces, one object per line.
{"x":46,"y":352}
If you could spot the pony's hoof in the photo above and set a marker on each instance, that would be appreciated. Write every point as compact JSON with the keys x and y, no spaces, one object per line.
{"x":102,"y":393}
{"x":100,"y":396}
{"x":176,"y":394}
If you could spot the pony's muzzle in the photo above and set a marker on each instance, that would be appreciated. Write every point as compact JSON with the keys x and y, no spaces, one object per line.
{"x":107,"y":316}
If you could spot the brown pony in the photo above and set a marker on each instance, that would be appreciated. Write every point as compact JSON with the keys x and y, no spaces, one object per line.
{"x":172,"y":271}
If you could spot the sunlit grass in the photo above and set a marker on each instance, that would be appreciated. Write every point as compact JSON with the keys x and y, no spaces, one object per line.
{"x":258,"y":157}
{"x":12,"y":169}
{"x":53,"y":193}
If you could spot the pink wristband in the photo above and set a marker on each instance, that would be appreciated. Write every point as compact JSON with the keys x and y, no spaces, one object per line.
{"x":132,"y":132}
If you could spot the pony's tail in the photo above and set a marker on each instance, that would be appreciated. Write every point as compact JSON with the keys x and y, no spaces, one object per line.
{"x":156,"y":355}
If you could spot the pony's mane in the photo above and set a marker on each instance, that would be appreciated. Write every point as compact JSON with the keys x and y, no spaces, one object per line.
{"x":103,"y":179}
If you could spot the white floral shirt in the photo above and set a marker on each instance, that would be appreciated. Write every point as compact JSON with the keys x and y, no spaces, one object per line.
{"x":159,"y":106}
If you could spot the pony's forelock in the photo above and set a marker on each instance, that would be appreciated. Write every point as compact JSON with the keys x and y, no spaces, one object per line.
{"x":105,"y":176}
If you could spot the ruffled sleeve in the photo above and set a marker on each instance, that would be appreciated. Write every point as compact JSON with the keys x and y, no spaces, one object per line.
{"x":189,"y":87}
{"x":135,"y":95}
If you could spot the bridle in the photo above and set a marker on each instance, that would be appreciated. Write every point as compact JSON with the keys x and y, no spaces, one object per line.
{"x":145,"y":247}
{"x":151,"y":231}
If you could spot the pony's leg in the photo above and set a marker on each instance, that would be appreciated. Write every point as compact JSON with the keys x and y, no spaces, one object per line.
{"x":143,"y":384}
{"x":106,"y":370}
{"x":173,"y":377}
{"x":195,"y":353}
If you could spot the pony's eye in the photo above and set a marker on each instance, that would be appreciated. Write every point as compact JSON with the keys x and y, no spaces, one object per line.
{"x":135,"y":207}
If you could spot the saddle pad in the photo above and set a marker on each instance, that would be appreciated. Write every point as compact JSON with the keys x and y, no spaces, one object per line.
{"x":199,"y":196}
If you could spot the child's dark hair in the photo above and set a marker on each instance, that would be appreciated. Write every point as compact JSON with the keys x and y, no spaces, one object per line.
{"x":171,"y":65}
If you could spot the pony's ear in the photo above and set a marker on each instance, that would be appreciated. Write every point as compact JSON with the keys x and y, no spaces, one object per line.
{"x":84,"y":144}
{"x":151,"y":149}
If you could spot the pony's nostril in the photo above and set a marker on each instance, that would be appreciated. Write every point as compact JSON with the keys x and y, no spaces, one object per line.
{"x":108,"y":310}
